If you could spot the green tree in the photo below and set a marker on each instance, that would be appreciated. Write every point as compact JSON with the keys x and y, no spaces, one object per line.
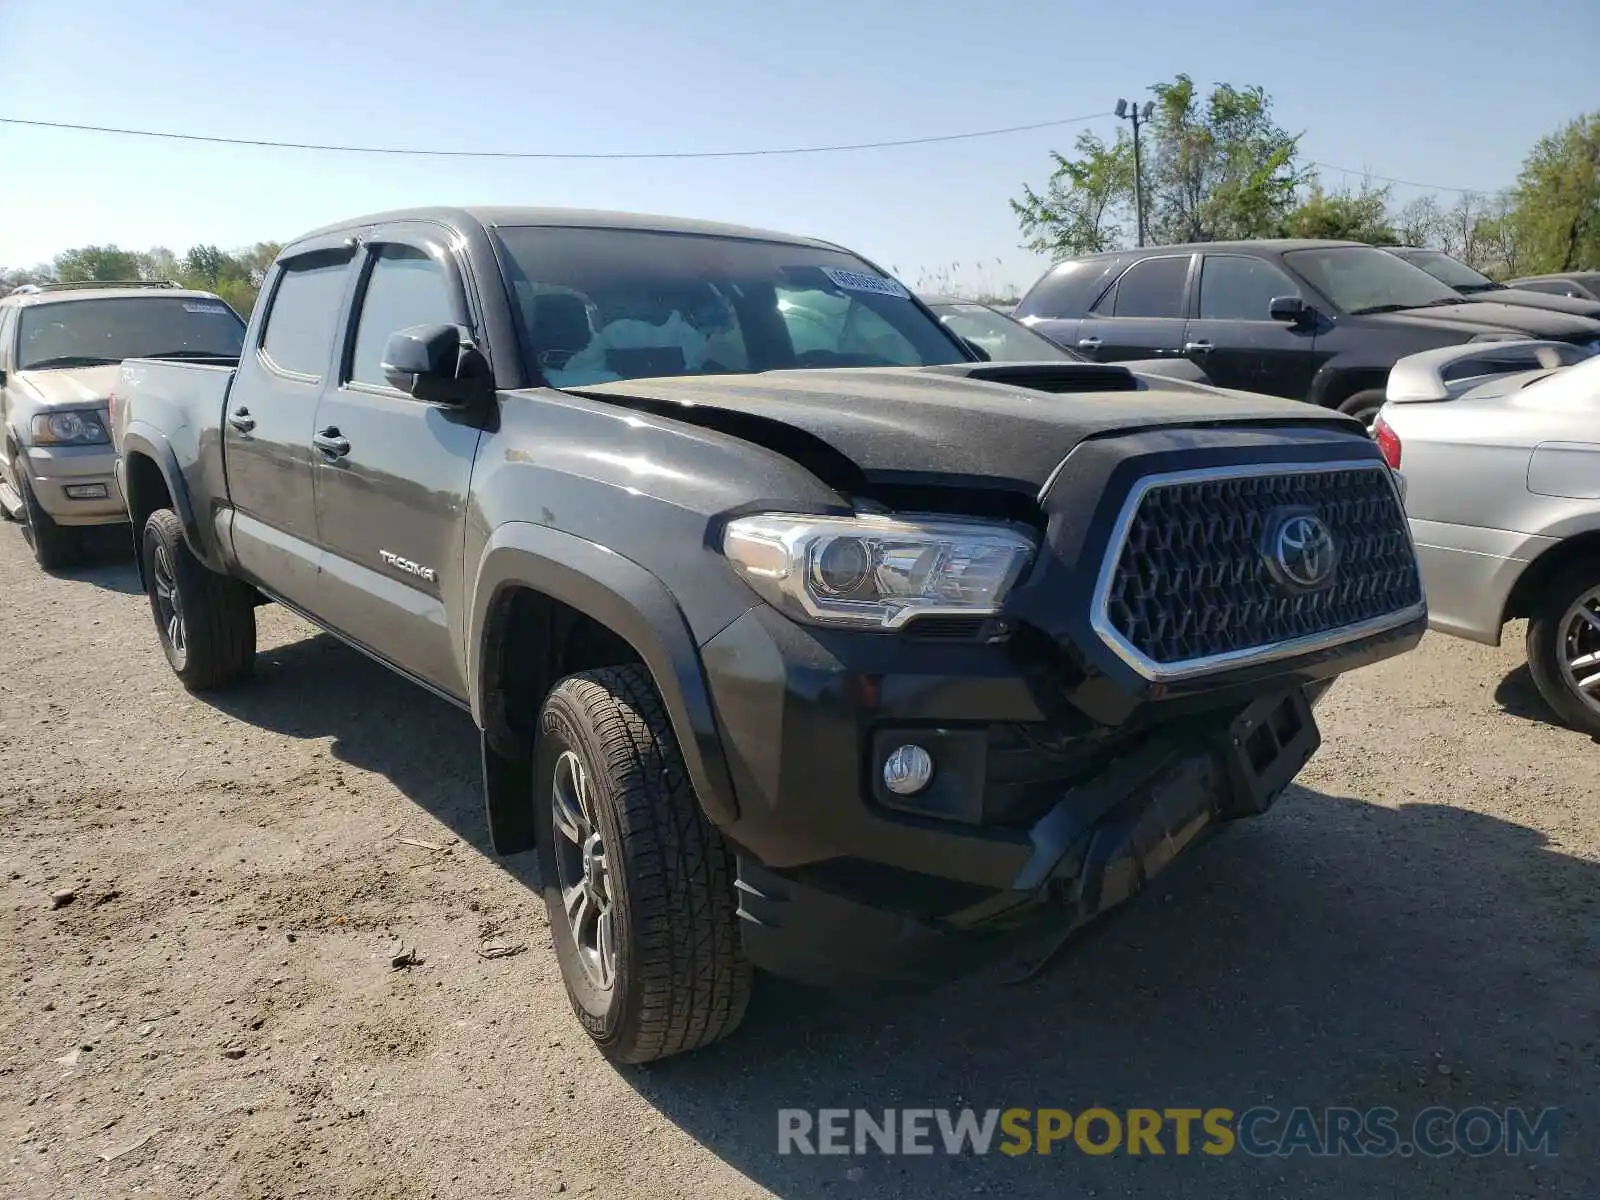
{"x":1360,"y":216}
{"x":1084,"y":201}
{"x":206,"y":266}
{"x":92,"y":263}
{"x":1215,"y":166}
{"x":1219,"y":167}
{"x":1555,"y":205}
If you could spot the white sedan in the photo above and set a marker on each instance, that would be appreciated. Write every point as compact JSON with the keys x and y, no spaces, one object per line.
{"x":1498,"y":445}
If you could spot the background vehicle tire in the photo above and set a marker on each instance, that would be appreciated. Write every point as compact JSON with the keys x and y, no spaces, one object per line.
{"x":54,"y":546}
{"x":206,"y":621}
{"x":632,"y":869}
{"x":1364,"y":406}
{"x":1564,"y":647}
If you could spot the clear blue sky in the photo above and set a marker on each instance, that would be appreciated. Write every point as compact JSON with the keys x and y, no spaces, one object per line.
{"x":1444,"y":91}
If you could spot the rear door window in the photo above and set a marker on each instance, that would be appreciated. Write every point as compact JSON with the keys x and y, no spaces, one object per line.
{"x":1151,"y":288}
{"x":305,"y":313}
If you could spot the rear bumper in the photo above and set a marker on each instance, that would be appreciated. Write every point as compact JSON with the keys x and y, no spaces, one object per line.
{"x":1094,"y":850}
{"x":1468,"y":572}
{"x":76,"y":485}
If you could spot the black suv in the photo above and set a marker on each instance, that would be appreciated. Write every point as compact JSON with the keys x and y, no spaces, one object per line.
{"x":1321,"y":321}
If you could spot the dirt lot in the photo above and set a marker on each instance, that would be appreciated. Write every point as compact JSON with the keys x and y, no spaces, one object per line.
{"x":215,"y":1013}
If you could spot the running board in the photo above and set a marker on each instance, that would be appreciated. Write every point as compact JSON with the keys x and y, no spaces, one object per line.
{"x":10,"y":500}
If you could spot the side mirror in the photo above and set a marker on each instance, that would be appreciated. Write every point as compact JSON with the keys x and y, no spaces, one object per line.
{"x":434,"y":363}
{"x":1291,"y":309}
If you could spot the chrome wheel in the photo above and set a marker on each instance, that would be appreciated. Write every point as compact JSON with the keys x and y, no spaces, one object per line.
{"x":169,"y":604}
{"x":1579,"y":651}
{"x":583,"y":872}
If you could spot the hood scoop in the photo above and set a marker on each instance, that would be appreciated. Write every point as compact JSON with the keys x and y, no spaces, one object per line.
{"x":1056,"y":377}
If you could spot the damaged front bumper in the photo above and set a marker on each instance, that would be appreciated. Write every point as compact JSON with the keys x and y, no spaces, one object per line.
{"x":1094,"y":850}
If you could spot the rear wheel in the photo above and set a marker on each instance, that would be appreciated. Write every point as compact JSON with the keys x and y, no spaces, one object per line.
{"x":206,"y":621}
{"x":1364,"y":406}
{"x":638,"y":884}
{"x":1564,"y":647}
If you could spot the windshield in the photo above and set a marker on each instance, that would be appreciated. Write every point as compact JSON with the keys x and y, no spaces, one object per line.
{"x":80,"y":333}
{"x":1449,"y":271}
{"x":596,"y":305}
{"x":1359,"y":279}
{"x":1001,"y":338}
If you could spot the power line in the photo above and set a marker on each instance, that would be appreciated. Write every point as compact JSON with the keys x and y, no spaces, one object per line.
{"x":423,"y":152}
{"x":531,"y":154}
{"x":1432,"y":187}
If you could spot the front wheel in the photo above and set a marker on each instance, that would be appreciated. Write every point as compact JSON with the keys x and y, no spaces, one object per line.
{"x":1564,"y":647}
{"x":1364,"y":406}
{"x":638,"y":884}
{"x":54,"y":546}
{"x":206,"y":621}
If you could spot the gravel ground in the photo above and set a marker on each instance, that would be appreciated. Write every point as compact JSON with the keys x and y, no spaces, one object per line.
{"x":215,"y":1013}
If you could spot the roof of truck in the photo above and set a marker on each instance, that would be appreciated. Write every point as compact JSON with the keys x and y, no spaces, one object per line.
{"x":512,"y":216}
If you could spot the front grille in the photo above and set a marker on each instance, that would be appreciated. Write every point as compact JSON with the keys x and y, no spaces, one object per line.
{"x":1191,"y":580}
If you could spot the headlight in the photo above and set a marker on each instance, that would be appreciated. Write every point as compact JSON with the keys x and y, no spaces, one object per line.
{"x":874,"y":572}
{"x":69,"y":429}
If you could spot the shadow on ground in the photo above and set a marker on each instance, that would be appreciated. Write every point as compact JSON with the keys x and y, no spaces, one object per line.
{"x":1518,"y":695}
{"x":1332,"y":953}
{"x":107,"y":561}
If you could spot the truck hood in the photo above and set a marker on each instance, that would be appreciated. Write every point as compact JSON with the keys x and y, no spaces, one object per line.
{"x":1548,"y":301}
{"x":70,"y":387}
{"x":1535,"y":322}
{"x":951,"y":425}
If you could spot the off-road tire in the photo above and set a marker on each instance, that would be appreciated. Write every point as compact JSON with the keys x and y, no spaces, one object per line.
{"x":54,"y":546}
{"x":218,"y":612}
{"x":1364,"y":406}
{"x":681,"y":980}
{"x":1544,"y":645}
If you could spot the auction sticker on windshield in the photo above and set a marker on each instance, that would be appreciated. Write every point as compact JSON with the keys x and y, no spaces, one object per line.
{"x":200,"y":307}
{"x":860,"y":281}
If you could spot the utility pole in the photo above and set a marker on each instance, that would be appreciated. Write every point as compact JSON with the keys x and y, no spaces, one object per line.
{"x":1132,"y":112}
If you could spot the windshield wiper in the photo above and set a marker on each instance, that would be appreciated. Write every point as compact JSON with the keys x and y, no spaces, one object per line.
{"x":1379,"y":308}
{"x":69,"y":360}
{"x":189,"y":354}
{"x":1443,"y":301}
{"x":1472,"y":289}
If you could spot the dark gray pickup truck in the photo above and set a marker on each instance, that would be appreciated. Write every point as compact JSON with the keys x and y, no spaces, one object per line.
{"x":799,"y":636}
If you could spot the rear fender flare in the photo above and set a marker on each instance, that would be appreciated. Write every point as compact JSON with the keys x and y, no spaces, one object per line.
{"x":150,"y":442}
{"x":1336,"y":380}
{"x":632,"y":602}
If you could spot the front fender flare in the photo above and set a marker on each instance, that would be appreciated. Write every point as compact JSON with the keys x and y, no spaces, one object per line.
{"x":632,"y":602}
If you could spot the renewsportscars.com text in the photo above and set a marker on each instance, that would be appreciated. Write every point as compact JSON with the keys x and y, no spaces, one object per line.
{"x":1259,"y":1131}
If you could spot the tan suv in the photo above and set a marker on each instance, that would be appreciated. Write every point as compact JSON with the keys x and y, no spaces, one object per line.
{"x":61,"y":345}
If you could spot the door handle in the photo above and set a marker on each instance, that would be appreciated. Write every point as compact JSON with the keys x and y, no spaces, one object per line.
{"x":1089,"y":343}
{"x":331,"y":443}
{"x":1197,"y":347}
{"x":242,"y":420}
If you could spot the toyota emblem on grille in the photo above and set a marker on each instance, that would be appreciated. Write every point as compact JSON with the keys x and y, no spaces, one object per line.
{"x":1300,"y":551}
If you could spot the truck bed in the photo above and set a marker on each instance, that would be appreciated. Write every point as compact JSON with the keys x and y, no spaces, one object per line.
{"x":174,"y":408}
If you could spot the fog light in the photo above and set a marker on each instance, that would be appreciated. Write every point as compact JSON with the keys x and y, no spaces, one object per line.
{"x":907,"y":770}
{"x":85,"y":491}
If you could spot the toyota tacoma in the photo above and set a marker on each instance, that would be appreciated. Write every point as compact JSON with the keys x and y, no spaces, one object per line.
{"x":799,"y":637}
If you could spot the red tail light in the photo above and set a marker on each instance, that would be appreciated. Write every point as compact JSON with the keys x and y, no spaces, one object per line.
{"x":1388,"y":443}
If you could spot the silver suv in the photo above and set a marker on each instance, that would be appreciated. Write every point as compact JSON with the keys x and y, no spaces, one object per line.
{"x":61,"y":345}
